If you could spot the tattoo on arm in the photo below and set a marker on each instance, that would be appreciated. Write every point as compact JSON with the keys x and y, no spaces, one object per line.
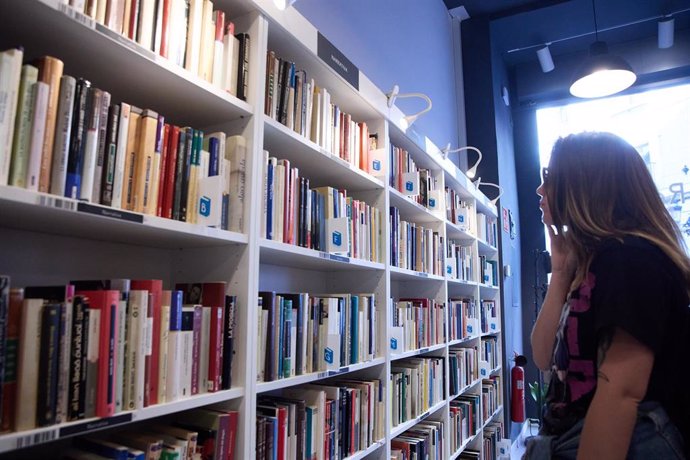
{"x":605,"y":339}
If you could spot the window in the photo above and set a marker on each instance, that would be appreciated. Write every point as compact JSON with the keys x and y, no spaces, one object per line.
{"x":655,"y":122}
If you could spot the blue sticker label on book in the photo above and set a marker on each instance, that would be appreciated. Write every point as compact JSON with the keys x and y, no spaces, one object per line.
{"x":461,"y":219}
{"x":394,"y":344}
{"x":409,"y":186}
{"x":205,"y":206}
{"x":337,"y":238}
{"x":493,"y":326}
{"x":328,"y":355}
{"x":432,"y":203}
{"x":449,"y":269}
{"x":376,"y":165}
{"x":486,"y":279}
{"x":469,"y":328}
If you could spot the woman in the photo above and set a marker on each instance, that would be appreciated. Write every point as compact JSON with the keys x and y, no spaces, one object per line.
{"x":615,"y":324}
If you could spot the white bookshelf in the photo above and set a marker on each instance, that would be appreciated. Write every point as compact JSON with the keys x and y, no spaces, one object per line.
{"x":46,"y":239}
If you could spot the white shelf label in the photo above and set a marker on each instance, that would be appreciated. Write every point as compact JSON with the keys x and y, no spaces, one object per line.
{"x":57,"y":203}
{"x":36,"y":438}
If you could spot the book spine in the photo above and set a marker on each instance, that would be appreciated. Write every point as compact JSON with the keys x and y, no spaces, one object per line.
{"x":77,"y":140}
{"x":50,"y":72}
{"x":22,"y":126}
{"x":48,"y":365}
{"x":120,"y":155}
{"x":28,"y":364}
{"x":196,"y":348}
{"x":215,"y":354}
{"x":165,"y":155}
{"x":143,"y":162}
{"x":170,"y":169}
{"x":228,"y":341}
{"x":64,"y":355}
{"x":38,"y":124}
{"x":101,"y":149}
{"x":63,"y":132}
{"x":4,"y":317}
{"x":110,"y":155}
{"x":151,"y":206}
{"x":243,"y":67}
{"x":11,"y":64}
{"x":91,"y":128}
{"x":75,"y":408}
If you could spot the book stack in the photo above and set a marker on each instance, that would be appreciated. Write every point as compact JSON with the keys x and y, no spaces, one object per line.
{"x":303,"y":333}
{"x":491,"y":397}
{"x":462,"y":313}
{"x":488,"y":271}
{"x":293,"y":99}
{"x":464,"y":368}
{"x":66,"y":137}
{"x":462,"y":256}
{"x":295,"y":213}
{"x":424,"y":440}
{"x":493,"y":434}
{"x":488,"y":315}
{"x":465,"y":409}
{"x":417,"y":385}
{"x":329,"y":421}
{"x":489,"y":351}
{"x":459,"y":211}
{"x":414,"y":247}
{"x":200,"y":433}
{"x":487,"y":229}
{"x":96,"y":348}
{"x":416,"y":323}
{"x":402,"y":163}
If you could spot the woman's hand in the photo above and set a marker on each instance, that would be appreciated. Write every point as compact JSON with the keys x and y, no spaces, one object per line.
{"x":563,"y":261}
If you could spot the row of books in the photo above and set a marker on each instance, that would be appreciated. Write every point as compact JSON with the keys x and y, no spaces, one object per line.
{"x":70,"y":139}
{"x":416,"y":385}
{"x":489,"y":321}
{"x":489,"y":352}
{"x":321,"y":218}
{"x":323,"y":422}
{"x":423,"y":441}
{"x":463,"y":368}
{"x":204,"y":433}
{"x":488,"y":271}
{"x":416,"y":323}
{"x":459,"y":259}
{"x":408,"y":179}
{"x":459,"y":211}
{"x":487,"y":229}
{"x":463,"y":321}
{"x":464,"y":419}
{"x":99,"y":347}
{"x":190,"y":33}
{"x":293,"y":99}
{"x":491,"y":397}
{"x":493,"y":435}
{"x":304,"y":333}
{"x":415,"y":247}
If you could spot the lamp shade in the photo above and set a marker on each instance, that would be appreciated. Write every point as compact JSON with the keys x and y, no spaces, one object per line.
{"x":602,"y":74}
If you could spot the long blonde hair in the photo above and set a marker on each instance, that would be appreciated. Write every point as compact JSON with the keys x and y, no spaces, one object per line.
{"x":598,"y":188}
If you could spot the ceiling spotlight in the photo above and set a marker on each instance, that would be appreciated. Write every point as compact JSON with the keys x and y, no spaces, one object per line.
{"x":479,"y":183}
{"x":602,"y":74}
{"x":665,"y":32}
{"x":471,"y":172}
{"x":408,"y":119}
{"x":545,"y":59}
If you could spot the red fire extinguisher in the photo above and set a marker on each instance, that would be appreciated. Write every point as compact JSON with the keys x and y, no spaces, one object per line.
{"x":517,"y":389}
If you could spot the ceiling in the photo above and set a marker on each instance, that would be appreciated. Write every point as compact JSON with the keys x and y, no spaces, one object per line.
{"x":520,"y":26}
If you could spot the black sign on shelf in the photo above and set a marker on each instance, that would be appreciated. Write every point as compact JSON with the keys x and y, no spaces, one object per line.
{"x":95,"y":424}
{"x":337,"y":61}
{"x":110,"y":212}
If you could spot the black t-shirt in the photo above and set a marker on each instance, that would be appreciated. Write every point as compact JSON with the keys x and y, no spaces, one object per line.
{"x":633,"y":286}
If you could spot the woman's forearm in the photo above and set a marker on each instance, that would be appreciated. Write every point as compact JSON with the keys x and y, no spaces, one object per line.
{"x":544,"y":331}
{"x":608,"y":428}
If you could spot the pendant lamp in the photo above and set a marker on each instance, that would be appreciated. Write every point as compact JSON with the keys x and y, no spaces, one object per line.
{"x":602,"y":74}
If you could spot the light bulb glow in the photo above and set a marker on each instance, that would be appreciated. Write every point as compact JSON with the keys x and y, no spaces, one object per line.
{"x":603,"y":83}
